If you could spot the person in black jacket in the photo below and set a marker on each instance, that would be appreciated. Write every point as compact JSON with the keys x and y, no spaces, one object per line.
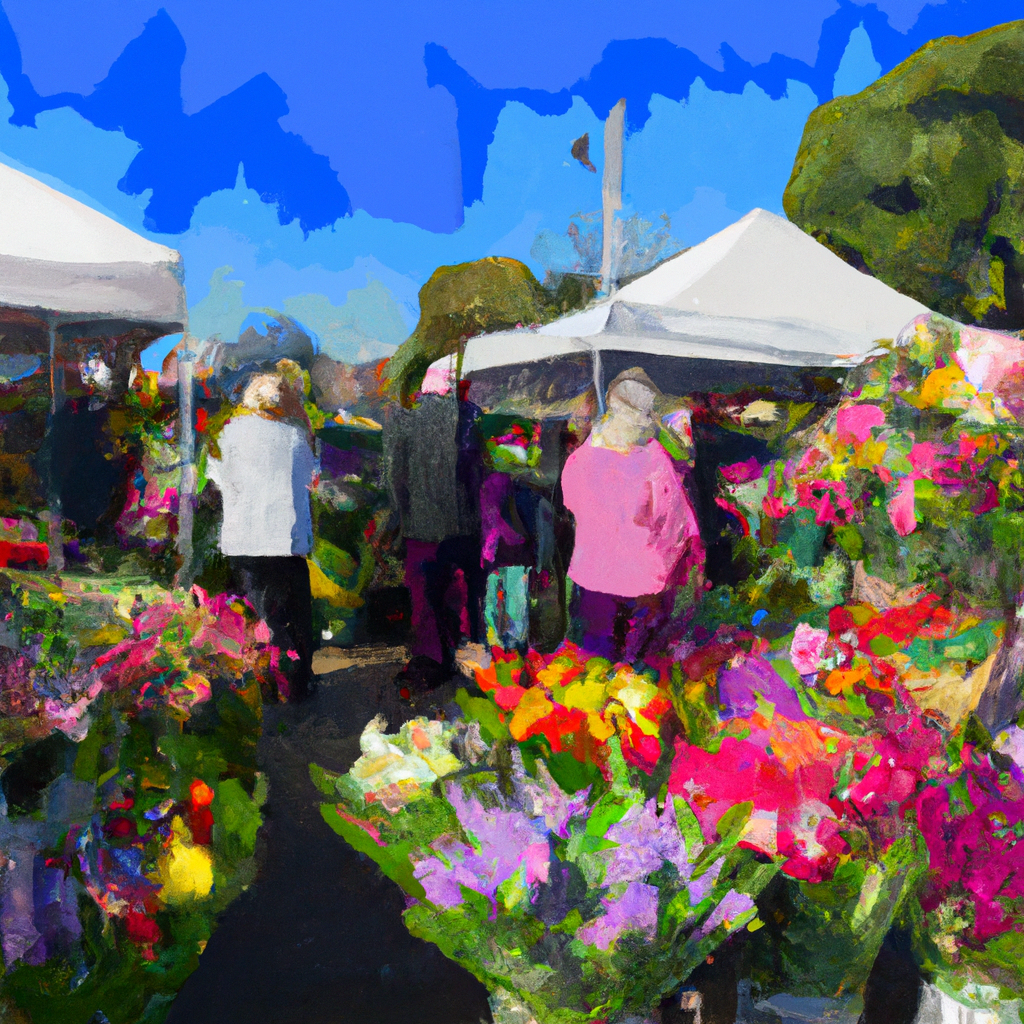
{"x":432,"y":467}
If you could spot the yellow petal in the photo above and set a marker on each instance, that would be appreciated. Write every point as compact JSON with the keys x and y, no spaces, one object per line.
{"x":532,"y":708}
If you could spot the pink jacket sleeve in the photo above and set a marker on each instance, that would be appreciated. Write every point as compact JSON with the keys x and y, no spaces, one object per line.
{"x":673,"y":520}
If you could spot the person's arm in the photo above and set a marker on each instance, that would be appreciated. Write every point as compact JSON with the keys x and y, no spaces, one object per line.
{"x":681,"y":528}
{"x":666,"y":512}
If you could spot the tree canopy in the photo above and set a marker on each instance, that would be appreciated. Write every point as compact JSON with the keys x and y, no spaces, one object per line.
{"x":918,"y":179}
{"x":458,"y":302}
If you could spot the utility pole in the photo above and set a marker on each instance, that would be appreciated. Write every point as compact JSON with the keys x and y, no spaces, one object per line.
{"x":611,"y":192}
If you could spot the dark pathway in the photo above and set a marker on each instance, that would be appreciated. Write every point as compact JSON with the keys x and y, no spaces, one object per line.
{"x":318,"y":938}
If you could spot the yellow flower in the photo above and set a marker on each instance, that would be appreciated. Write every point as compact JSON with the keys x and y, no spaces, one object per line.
{"x":185,"y":871}
{"x":532,"y":708}
{"x":944,"y":388}
{"x":585,"y":695}
{"x":600,"y":729}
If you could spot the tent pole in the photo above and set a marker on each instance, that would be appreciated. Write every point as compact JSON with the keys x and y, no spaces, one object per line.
{"x":186,"y":452}
{"x":598,"y":380}
{"x":52,"y":516}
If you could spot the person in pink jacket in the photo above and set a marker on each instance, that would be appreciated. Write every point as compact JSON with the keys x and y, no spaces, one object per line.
{"x":637,"y":536}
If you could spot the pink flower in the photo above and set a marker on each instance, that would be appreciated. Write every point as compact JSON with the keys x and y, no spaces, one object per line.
{"x":922,"y":457}
{"x":855,"y":422}
{"x":805,"y":650}
{"x":828,"y":500}
{"x":774,"y":507}
{"x":901,"y":508}
{"x":69,"y":717}
{"x":741,"y":472}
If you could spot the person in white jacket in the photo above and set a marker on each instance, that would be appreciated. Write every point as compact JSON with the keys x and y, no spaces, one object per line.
{"x":264,"y":472}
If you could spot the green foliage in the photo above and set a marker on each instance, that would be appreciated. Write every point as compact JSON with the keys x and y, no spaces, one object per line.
{"x":461,"y":301}
{"x":918,"y":178}
{"x":824,"y":938}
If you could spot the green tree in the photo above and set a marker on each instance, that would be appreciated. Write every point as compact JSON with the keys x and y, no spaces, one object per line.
{"x":918,"y":179}
{"x":461,"y":301}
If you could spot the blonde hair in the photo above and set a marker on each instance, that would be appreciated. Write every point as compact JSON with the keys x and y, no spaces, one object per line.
{"x":278,"y":394}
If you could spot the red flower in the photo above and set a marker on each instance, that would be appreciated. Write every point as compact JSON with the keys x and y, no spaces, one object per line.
{"x":141,"y":928}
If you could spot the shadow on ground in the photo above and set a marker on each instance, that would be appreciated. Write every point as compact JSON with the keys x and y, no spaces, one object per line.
{"x":318,"y":938}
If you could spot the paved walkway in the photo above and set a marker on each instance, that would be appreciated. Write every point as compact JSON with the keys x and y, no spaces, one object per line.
{"x":318,"y":938}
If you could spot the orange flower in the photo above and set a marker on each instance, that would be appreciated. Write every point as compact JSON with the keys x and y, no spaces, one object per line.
{"x":533,"y":706}
{"x":202,"y":795}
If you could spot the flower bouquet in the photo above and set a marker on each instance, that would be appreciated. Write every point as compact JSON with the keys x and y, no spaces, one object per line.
{"x":570,"y":906}
{"x":516,"y":450}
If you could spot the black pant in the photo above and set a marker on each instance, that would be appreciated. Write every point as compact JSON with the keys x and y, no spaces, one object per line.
{"x":278,"y":588}
{"x":456,"y":553}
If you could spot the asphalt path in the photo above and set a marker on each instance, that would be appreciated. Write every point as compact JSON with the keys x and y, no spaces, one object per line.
{"x":318,"y":937}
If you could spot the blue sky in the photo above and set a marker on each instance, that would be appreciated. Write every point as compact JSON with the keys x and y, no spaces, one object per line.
{"x":323,"y":157}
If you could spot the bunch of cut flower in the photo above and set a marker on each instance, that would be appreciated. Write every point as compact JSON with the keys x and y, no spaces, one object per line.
{"x":915,"y":475}
{"x":569,"y":705}
{"x":571,"y":906}
{"x":830,"y":773}
{"x":151,"y":805}
{"x":178,"y":645}
{"x":515,"y":450}
{"x":884,"y":800}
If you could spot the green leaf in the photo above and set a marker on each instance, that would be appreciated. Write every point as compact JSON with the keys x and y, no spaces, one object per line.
{"x":730,"y":825}
{"x":235,"y":813}
{"x":883,"y":646}
{"x":484,"y":711}
{"x":394,"y":859}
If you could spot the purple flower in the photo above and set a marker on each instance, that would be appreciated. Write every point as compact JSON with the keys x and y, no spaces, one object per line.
{"x":739,"y":686}
{"x":506,"y":840}
{"x":442,"y":881}
{"x":700,"y":888}
{"x":732,"y":906}
{"x":545,"y":799}
{"x":635,"y":910}
{"x":644,"y":841}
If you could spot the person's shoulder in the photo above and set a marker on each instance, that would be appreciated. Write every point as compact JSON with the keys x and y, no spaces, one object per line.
{"x":657,"y":452}
{"x":581,"y":455}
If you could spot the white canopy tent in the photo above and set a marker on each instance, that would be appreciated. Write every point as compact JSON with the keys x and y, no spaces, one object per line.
{"x":759,"y":292}
{"x":69,"y":273}
{"x":59,"y":257}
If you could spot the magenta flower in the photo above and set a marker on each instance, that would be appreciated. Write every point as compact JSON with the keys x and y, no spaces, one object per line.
{"x":975,"y":849}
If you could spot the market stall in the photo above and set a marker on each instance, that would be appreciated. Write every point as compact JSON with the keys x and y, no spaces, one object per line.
{"x":80,"y":297}
{"x":759,"y":303}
